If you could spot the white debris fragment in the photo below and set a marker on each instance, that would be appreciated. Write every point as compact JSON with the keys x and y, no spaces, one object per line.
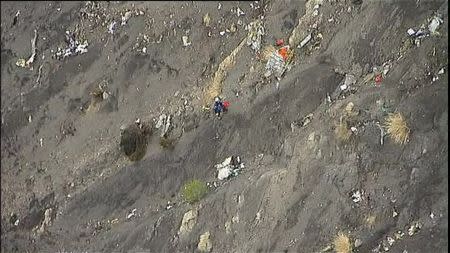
{"x":126,"y":17}
{"x":343,"y":87}
{"x":255,"y":33}
{"x":414,"y":228}
{"x":441,"y":71}
{"x":394,"y":214}
{"x":222,"y":33}
{"x":390,"y":240}
{"x":29,"y":118}
{"x":164,"y":123}
{"x":219,"y":6}
{"x":144,"y":50}
{"x":33,"y":49}
{"x":131,"y":214}
{"x":305,"y":41}
{"x":356,"y":197}
{"x":112,"y":27}
{"x":41,"y":142}
{"x":239,"y":12}
{"x":349,"y":80}
{"x":230,"y":167}
{"x":354,"y":129}
{"x":411,"y":32}
{"x":432,"y":215}
{"x":434,"y":24}
{"x":185,"y":40}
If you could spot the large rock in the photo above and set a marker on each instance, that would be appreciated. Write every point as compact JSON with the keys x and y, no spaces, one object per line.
{"x":188,"y":222}
{"x":204,"y":244}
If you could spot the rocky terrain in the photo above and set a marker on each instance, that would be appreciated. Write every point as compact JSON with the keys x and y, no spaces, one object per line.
{"x":345,"y":152}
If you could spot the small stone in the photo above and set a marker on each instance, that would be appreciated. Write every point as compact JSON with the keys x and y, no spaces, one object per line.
{"x":358,"y":243}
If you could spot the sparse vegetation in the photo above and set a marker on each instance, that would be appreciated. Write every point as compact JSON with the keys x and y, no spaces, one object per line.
{"x":194,"y":190}
{"x":370,"y":220}
{"x":397,"y":128}
{"x":342,"y":243}
{"x":167,"y":143}
{"x":342,"y":131}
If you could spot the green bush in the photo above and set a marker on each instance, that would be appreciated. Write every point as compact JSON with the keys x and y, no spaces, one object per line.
{"x":194,"y":190}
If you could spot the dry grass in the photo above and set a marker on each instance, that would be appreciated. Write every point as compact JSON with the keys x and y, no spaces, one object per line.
{"x":370,"y":220}
{"x":167,"y":143}
{"x":215,"y":87}
{"x":397,"y":128}
{"x":342,"y":131}
{"x":342,"y":243}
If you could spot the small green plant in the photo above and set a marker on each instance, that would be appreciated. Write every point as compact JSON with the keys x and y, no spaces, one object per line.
{"x":194,"y":190}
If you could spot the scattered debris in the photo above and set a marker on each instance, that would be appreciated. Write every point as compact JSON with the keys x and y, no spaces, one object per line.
{"x":356,"y":196}
{"x":74,"y":47}
{"x":206,"y":20}
{"x":326,"y":249}
{"x":16,"y":18}
{"x":305,"y":41}
{"x":306,"y":120}
{"x":390,"y":240}
{"x":414,"y":228}
{"x":279,"y":42}
{"x":278,"y":62}
{"x":255,"y":33}
{"x":233,"y":28}
{"x":185,"y":41}
{"x":239,"y":12}
{"x":169,"y":205}
{"x":382,"y":133}
{"x":112,"y":27}
{"x":434,"y":24}
{"x":378,"y":79}
{"x":164,"y":123}
{"x":14,"y":219}
{"x":358,"y":243}
{"x":47,"y":220}
{"x":27,"y":63}
{"x":229,"y":168}
{"x":228,"y":227}
{"x":204,"y":244}
{"x":21,"y":63}
{"x":39,"y":74}
{"x":131,"y":214}
{"x":399,"y":235}
{"x":126,"y":17}
{"x":33,"y":49}
{"x":188,"y":222}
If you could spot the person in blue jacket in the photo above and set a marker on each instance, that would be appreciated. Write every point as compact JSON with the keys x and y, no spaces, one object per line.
{"x":218,"y":106}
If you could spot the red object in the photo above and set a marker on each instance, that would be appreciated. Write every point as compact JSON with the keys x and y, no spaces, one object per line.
{"x":378,"y":79}
{"x":279,"y":42}
{"x":283,"y":52}
{"x":226,"y":104}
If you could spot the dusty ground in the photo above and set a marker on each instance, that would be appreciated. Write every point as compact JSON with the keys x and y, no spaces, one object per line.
{"x":66,"y":185}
